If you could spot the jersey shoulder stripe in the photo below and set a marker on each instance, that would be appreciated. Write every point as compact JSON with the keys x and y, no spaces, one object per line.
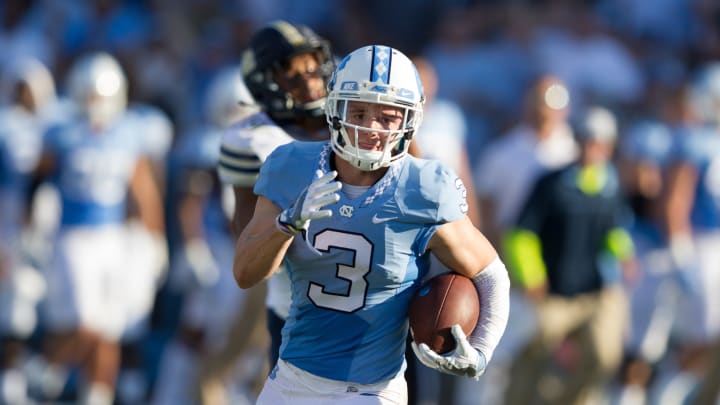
{"x":245,"y":146}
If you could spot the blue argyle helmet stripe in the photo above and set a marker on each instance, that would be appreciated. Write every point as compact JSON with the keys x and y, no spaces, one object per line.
{"x":381,"y":61}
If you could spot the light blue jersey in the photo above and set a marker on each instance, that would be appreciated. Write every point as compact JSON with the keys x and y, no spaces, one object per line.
{"x":700,"y":146}
{"x":348,"y":319}
{"x":94,"y":170}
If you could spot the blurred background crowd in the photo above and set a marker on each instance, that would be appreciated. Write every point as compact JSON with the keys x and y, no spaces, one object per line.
{"x":516,"y":89}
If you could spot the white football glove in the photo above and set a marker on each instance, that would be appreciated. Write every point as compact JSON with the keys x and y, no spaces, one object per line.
{"x":321,"y":192}
{"x":463,"y":361}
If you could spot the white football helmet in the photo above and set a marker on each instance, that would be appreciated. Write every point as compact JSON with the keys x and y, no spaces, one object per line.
{"x":374,"y":74}
{"x":97,"y":84}
{"x":228,"y":99}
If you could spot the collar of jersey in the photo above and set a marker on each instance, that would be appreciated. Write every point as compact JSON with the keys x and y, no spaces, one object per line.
{"x":377,"y":189}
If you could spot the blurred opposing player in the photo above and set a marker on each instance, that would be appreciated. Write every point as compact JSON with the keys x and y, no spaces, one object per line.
{"x":97,"y":162}
{"x":28,"y":99}
{"x":202,"y":270}
{"x":286,"y":68}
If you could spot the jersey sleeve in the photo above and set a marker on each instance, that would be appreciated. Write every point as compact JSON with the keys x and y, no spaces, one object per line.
{"x":245,"y":146}
{"x":431,"y":195}
{"x":238,"y":165}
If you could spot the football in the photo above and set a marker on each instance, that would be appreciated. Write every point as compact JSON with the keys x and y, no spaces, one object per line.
{"x":440,"y":303}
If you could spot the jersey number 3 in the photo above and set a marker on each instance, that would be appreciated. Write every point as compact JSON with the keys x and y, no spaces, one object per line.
{"x":354,"y":274}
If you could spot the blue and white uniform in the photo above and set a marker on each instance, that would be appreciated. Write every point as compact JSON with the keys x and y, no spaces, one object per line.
{"x":351,"y":301}
{"x":87,"y":281}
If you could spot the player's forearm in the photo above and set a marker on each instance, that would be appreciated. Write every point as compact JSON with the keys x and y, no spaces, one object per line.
{"x":493,"y":287}
{"x":259,"y":252}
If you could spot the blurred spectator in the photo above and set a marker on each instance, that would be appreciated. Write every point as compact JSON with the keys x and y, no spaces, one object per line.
{"x":504,"y":176}
{"x":564,"y":252}
{"x":511,"y":164}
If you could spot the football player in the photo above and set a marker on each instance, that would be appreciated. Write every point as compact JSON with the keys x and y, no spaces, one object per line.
{"x":354,"y":219}
{"x":97,"y":162}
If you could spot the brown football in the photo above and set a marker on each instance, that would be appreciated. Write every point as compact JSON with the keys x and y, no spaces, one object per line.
{"x":440,"y":303}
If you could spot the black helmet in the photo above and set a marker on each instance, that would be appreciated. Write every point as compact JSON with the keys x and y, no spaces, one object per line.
{"x":271,"y":47}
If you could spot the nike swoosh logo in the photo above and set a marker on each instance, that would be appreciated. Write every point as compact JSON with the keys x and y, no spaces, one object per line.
{"x":376,"y":220}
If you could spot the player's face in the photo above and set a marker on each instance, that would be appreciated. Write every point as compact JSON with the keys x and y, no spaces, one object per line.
{"x":378,"y":117}
{"x":596,"y":152}
{"x":301,"y":77}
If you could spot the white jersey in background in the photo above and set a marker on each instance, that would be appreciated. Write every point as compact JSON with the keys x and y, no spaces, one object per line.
{"x":245,"y":146}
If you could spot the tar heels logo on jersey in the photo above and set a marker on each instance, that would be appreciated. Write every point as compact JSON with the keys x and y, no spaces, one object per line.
{"x":346,"y":211}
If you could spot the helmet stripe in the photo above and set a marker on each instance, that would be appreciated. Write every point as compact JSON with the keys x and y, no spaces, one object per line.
{"x":381,"y":60}
{"x":290,"y":32}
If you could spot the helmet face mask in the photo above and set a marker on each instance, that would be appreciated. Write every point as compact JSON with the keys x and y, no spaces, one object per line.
{"x":382,"y":76}
{"x":266,"y":61}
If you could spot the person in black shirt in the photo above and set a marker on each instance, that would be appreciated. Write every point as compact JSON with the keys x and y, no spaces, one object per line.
{"x":566,"y":252}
